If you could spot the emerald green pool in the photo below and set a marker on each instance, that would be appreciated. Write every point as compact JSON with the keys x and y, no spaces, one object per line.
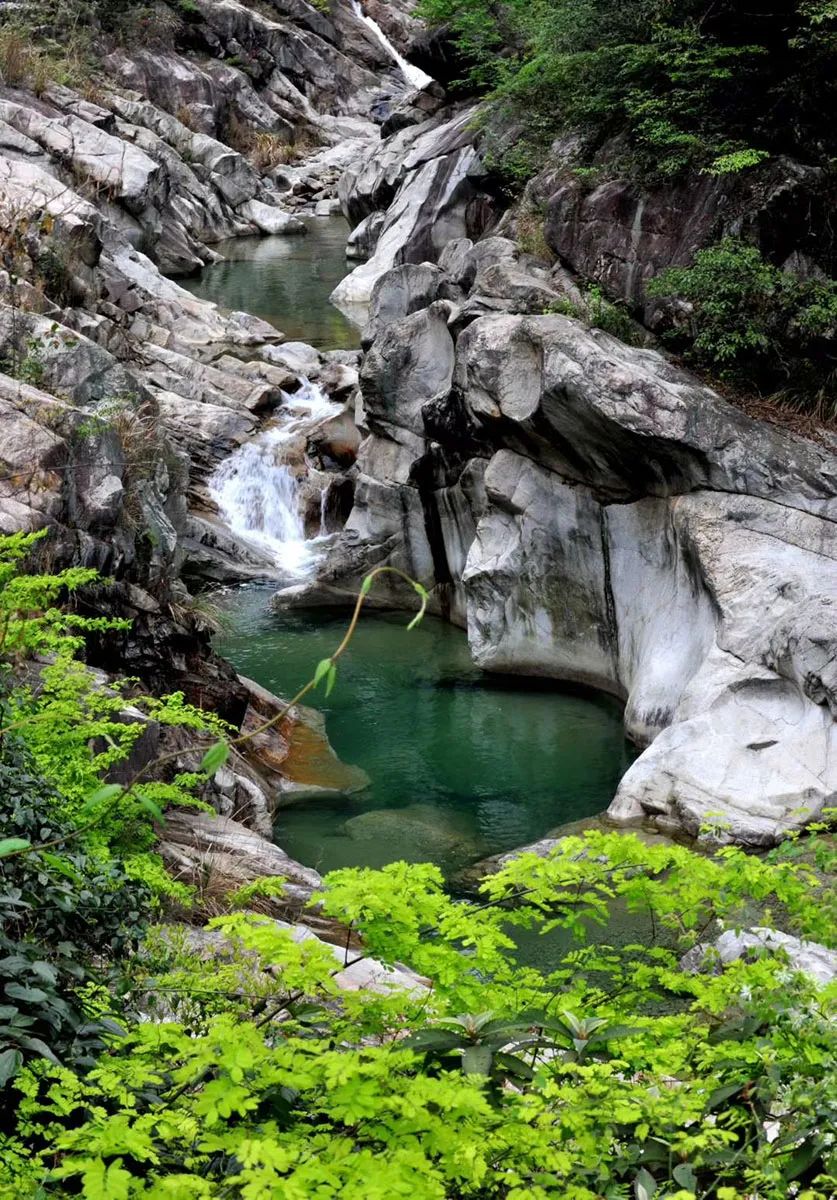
{"x":461,"y":764}
{"x":285,"y":280}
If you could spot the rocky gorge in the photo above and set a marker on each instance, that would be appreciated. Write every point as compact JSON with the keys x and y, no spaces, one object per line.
{"x":591,"y":512}
{"x":586,"y":509}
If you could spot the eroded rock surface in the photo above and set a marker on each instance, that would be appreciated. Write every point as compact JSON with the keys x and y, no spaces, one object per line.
{"x":592,"y":512}
{"x":427,"y":181}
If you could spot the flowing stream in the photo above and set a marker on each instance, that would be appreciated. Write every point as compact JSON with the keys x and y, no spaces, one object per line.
{"x":461,"y":765}
{"x":414,"y":75}
{"x":257,"y":491}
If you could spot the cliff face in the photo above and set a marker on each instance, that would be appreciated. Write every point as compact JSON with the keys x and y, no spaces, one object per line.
{"x":123,"y":386}
{"x":591,"y":512}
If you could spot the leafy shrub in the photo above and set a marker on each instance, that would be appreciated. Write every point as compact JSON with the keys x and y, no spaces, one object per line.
{"x":58,"y":911}
{"x":77,"y":728}
{"x":264,"y":150}
{"x":53,"y":265}
{"x":756,"y":324}
{"x":15,"y":55}
{"x":530,"y":232}
{"x":684,"y":86}
{"x":609,"y":1068}
{"x":611,"y":317}
{"x":600,"y":313}
{"x":35,"y":55}
{"x":189,"y":10}
{"x":611,"y":1071}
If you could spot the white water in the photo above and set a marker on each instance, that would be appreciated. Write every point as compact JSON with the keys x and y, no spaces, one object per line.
{"x":414,"y":75}
{"x":257,"y":491}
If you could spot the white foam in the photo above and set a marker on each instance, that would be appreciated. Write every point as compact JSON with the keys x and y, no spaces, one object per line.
{"x":414,"y":75}
{"x":257,"y":492}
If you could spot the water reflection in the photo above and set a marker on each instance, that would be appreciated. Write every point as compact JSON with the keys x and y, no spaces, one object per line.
{"x":287,"y":281}
{"x":458,"y":770}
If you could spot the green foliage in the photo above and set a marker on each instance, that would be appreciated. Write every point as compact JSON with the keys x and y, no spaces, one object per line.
{"x":238,"y":1065}
{"x":600,"y":313}
{"x":57,"y":912}
{"x":31,"y":622}
{"x":69,"y":909}
{"x":739,"y":160}
{"x":683,"y":86}
{"x":31,"y":367}
{"x":610,"y":1071}
{"x":752,"y":322}
{"x":605,"y":314}
{"x":77,"y":728}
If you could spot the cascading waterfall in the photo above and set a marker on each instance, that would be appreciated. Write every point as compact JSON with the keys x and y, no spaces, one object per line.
{"x":257,"y":493}
{"x":414,"y":75}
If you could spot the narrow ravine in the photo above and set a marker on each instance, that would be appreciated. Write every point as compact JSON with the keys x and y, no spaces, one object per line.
{"x":461,"y":765}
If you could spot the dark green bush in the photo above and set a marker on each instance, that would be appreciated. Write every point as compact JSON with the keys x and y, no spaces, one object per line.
{"x":754,"y":324}
{"x":681,"y":84}
{"x":66,"y":919}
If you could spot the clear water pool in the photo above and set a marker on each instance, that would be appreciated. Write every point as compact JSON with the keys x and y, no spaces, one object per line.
{"x":285,"y":280}
{"x":462,"y":764}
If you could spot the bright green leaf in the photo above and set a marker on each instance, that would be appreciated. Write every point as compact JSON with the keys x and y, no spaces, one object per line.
{"x":103,"y":794}
{"x":13,"y":845}
{"x":151,"y":808}
{"x":322,"y":669}
{"x":215,"y":758}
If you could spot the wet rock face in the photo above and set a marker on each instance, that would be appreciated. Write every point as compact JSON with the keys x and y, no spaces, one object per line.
{"x":682,"y":606}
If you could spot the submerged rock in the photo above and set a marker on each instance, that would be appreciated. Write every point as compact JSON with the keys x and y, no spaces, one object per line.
{"x":470,"y":877}
{"x":418,"y":832}
{"x":294,"y":756}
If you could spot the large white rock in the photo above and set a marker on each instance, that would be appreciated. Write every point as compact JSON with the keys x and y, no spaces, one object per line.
{"x":105,"y":161}
{"x":811,"y":958}
{"x":269,"y":219}
{"x":628,"y":422}
{"x":434,"y":204}
{"x":715,"y":617}
{"x":631,"y":531}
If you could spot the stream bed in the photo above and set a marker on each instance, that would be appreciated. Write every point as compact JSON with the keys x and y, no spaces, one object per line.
{"x":461,"y":764}
{"x":285,"y":280}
